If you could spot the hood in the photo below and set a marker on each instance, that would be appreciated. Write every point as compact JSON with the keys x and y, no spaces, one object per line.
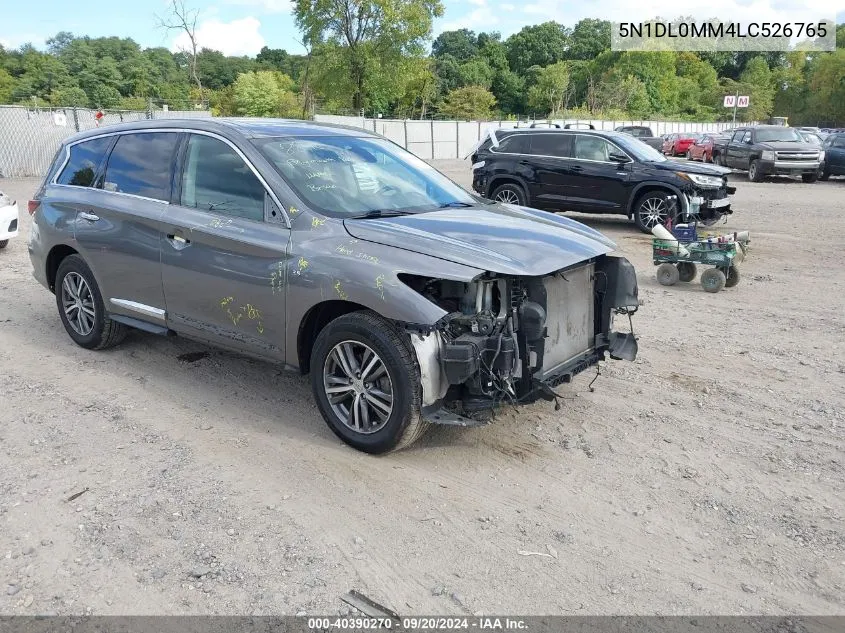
{"x":692,"y":168}
{"x":787,"y":146}
{"x":497,"y":238}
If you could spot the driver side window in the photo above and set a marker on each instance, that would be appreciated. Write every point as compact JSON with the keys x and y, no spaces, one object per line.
{"x":215,"y":178}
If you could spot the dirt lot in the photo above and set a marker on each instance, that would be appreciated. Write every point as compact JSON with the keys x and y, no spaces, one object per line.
{"x":705,"y":478}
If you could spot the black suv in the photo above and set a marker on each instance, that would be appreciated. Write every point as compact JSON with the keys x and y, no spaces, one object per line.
{"x":597,"y":172}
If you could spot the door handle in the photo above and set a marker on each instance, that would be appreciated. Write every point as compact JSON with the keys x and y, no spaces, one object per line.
{"x":177,"y":241}
{"x":85,"y":215}
{"x":576,"y":168}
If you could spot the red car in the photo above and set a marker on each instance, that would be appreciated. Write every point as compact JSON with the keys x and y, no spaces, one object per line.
{"x":702,"y":149}
{"x":677,"y":144}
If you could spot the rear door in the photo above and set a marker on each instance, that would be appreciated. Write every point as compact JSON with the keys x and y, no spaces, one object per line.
{"x":550,"y":163}
{"x":224,"y":248}
{"x":595,"y":182}
{"x":119,"y":227}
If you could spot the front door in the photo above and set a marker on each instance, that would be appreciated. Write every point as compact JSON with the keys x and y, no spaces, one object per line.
{"x":223,"y":254}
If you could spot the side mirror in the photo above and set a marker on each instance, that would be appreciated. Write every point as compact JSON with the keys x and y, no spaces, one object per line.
{"x":748,"y":141}
{"x":616,"y":157}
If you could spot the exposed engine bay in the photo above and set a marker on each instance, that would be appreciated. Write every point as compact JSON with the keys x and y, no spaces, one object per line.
{"x":513,"y":339}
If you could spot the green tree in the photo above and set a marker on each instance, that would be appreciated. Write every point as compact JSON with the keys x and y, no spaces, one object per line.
{"x":757,"y":79}
{"x":589,"y":38}
{"x":827,"y":87}
{"x":550,"y":88}
{"x":264,"y":93}
{"x":420,"y":88}
{"x":509,"y":90}
{"x":468,"y":103}
{"x":461,"y":44}
{"x":7,"y":86}
{"x":537,"y":45}
{"x":68,"y":97}
{"x":372,"y":35}
{"x":476,"y":72}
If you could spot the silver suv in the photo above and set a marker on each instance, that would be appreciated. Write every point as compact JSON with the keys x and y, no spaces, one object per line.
{"x":329,"y":250}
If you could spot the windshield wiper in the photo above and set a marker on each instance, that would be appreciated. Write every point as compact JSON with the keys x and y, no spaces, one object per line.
{"x":381,"y":213}
{"x":454,"y":205}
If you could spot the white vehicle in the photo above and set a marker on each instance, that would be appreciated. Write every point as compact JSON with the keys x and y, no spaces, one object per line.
{"x":8,"y":219}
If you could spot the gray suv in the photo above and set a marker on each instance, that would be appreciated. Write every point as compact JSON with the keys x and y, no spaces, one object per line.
{"x":332,"y":251}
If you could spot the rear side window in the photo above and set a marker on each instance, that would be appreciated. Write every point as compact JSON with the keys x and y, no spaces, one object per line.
{"x":551,"y":145}
{"x":839,"y":141}
{"x":514,"y":144}
{"x":140,"y":165}
{"x":217,"y":179}
{"x":85,"y":157}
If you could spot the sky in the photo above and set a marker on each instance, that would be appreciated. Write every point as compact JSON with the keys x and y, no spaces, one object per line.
{"x":242,"y":27}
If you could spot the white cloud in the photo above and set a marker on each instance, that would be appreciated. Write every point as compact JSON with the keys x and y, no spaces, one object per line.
{"x":481,"y":19}
{"x":479,"y":3}
{"x":268,"y":6}
{"x":238,"y":37}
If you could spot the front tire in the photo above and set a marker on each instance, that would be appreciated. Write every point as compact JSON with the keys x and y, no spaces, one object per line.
{"x":4,"y":244}
{"x":689,"y":155}
{"x":713,"y":280}
{"x":653,"y":208}
{"x":754,"y":173}
{"x":809,"y":178}
{"x":366,"y":383}
{"x":824,"y":174}
{"x":686,"y":271}
{"x":667,"y":275}
{"x":510,"y":193}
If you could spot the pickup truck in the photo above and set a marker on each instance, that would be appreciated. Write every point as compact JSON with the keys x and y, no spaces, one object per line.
{"x":769,"y":150}
{"x":644,"y":134}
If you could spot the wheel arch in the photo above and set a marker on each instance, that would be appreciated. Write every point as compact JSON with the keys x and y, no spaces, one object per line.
{"x":55,"y":258}
{"x":504,"y":179}
{"x":317,"y":318}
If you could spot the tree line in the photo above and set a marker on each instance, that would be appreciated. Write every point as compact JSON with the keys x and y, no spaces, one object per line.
{"x":377,"y":59}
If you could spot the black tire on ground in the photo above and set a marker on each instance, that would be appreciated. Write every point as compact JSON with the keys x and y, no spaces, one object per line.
{"x":404,"y":424}
{"x":667,"y":275}
{"x":824,"y":174}
{"x":808,"y":178}
{"x":732,"y":278}
{"x":754,"y":174}
{"x":712,"y":280}
{"x":104,"y":332}
{"x":4,"y":243}
{"x":644,"y":209}
{"x":686,"y":271}
{"x":689,"y":155}
{"x":718,"y":159}
{"x":510,"y":193}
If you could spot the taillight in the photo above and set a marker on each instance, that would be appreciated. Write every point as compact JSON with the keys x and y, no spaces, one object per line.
{"x":32,"y":206}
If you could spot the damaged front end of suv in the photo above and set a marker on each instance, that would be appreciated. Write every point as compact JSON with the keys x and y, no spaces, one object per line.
{"x":513,"y":339}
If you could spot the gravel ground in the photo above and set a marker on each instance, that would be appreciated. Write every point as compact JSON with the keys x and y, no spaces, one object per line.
{"x":704,"y":478}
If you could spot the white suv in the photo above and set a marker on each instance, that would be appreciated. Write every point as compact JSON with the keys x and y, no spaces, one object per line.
{"x":8,"y":219}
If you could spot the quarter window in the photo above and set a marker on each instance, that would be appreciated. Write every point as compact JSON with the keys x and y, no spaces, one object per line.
{"x":551,"y":145}
{"x":140,"y":165}
{"x":217,"y":179}
{"x":84,"y":159}
{"x":514,"y":144}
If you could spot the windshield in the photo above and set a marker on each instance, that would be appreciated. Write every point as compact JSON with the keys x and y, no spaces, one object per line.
{"x":345,"y":176}
{"x":638,"y":132}
{"x":639,"y":150}
{"x":767,"y":135}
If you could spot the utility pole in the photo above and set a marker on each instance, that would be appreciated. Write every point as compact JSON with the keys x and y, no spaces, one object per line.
{"x":736,"y":99}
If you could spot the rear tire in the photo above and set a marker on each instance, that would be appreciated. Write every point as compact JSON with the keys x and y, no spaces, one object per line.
{"x":809,"y":178}
{"x":689,"y":155}
{"x":510,"y":193}
{"x":667,"y":275}
{"x":361,"y":332}
{"x":81,"y":307}
{"x":712,"y":280}
{"x":4,"y":243}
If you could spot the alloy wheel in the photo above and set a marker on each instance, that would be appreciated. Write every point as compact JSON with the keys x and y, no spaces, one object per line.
{"x":78,"y":303}
{"x":653,"y":211}
{"x":507,"y":196}
{"x":358,"y":387}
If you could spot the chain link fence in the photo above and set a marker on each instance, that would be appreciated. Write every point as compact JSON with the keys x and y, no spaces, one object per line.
{"x":30,"y":137}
